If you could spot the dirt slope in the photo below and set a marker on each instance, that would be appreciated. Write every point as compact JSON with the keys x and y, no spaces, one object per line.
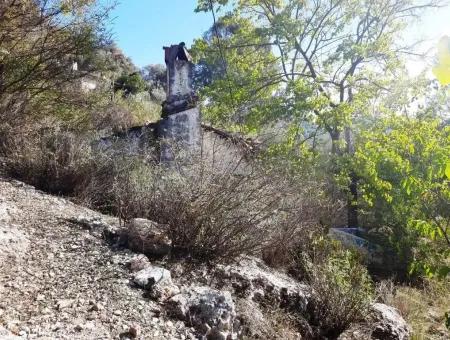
{"x":60,"y":281}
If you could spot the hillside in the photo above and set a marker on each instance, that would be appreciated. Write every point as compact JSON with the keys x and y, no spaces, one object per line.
{"x":61,"y":278}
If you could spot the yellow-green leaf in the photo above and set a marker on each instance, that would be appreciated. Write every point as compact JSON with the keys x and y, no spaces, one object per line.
{"x":442,"y":70}
{"x":447,"y":169}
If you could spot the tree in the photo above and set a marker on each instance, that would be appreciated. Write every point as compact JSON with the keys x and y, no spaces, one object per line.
{"x":234,"y":69}
{"x":40,"y":41}
{"x":340,"y":53}
{"x":442,"y":69}
{"x":404,"y":167}
{"x":156,"y":77}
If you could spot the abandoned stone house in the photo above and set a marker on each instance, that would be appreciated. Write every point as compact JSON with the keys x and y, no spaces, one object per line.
{"x":180,"y":129}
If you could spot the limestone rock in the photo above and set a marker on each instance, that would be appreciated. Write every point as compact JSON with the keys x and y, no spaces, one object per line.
{"x":252,"y":277}
{"x":210,"y":311}
{"x":138,"y":263}
{"x":148,"y":237}
{"x":389,"y":324}
{"x":157,"y":280}
{"x":89,"y":222}
{"x":383,"y":323}
{"x":63,"y":304}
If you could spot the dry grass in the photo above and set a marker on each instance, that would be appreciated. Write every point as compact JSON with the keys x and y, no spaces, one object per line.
{"x":423,"y":307}
{"x":260,"y":323}
{"x":54,"y":161}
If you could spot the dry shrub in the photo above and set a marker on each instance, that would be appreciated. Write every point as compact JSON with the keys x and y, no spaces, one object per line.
{"x":341,"y":289}
{"x":213,"y":214}
{"x":115,"y":118}
{"x":52,"y":160}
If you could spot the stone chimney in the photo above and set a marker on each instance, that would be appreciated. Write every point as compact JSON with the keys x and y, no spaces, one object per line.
{"x":179,"y":129}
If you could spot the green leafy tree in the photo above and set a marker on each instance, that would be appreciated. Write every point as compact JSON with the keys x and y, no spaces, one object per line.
{"x":404,"y":167}
{"x":334,"y":56}
{"x":236,"y":64}
{"x":442,"y":69}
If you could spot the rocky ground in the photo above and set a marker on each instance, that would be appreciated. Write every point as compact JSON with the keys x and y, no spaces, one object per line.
{"x":59,"y":280}
{"x":65,"y":274}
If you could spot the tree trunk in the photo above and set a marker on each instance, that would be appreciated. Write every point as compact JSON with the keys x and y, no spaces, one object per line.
{"x":352,"y":203}
{"x":2,"y":70}
{"x":336,"y":150}
{"x":335,"y":137}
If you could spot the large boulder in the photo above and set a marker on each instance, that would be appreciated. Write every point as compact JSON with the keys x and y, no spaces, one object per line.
{"x":389,"y":324}
{"x":148,"y":237}
{"x":157,"y":281}
{"x":210,"y":311}
{"x":252,"y":278}
{"x":383,"y":323}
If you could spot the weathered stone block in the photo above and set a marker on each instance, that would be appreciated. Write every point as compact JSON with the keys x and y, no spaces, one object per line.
{"x":180,"y":133}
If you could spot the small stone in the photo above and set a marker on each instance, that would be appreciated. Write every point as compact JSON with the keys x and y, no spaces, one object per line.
{"x":62,"y":304}
{"x":138,"y":263}
{"x":95,"y":307}
{"x":134,"y":331}
{"x":158,"y":281}
{"x":117,"y":312}
{"x":46,"y":311}
{"x":40,"y":297}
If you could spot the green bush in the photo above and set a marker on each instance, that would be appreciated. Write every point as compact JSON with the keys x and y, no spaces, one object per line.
{"x":404,"y":170}
{"x":130,"y":84}
{"x":341,"y":289}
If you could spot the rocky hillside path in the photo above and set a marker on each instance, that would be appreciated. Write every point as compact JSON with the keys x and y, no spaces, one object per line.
{"x":61,"y":281}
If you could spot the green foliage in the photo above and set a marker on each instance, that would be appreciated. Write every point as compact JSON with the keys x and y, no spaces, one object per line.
{"x":403,"y":166}
{"x":341,"y":287}
{"x":130,"y":84}
{"x":327,"y":68}
{"x":237,"y":69}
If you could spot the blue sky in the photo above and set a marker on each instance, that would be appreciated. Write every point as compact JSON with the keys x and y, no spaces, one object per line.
{"x":142,"y":27}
